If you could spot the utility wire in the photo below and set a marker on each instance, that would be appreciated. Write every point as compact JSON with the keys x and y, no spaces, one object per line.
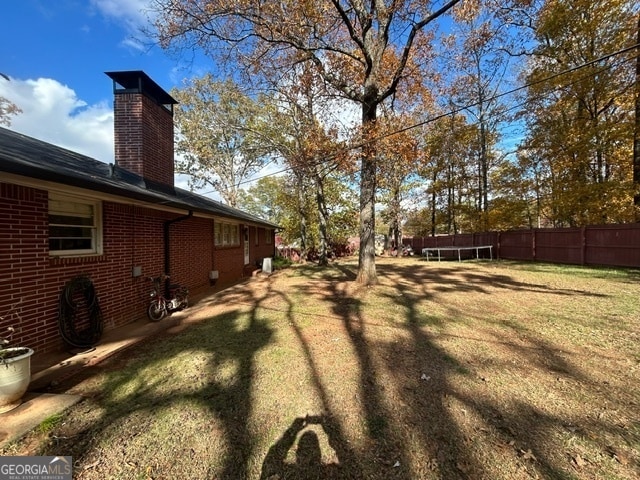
{"x":503,"y":94}
{"x":462,"y":108}
{"x":543,"y":95}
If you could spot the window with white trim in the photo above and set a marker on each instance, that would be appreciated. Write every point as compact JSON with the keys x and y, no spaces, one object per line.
{"x":226,"y":234}
{"x":75,"y":226}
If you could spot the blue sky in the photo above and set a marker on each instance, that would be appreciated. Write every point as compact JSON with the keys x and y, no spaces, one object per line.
{"x":56,"y":53}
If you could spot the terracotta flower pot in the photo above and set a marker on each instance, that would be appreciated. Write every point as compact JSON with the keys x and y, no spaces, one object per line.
{"x":15,"y":375}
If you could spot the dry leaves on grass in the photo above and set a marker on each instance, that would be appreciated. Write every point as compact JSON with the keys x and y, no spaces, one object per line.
{"x":443,"y":370}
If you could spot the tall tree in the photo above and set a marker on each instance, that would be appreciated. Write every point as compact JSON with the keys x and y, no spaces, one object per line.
{"x":221,"y":135}
{"x":312,"y":150}
{"x":284,"y":200}
{"x":636,"y":129}
{"x":361,"y":49}
{"x":448,"y":164}
{"x":266,"y":199}
{"x":398,"y":154}
{"x":580,"y":109}
{"x":479,"y":71}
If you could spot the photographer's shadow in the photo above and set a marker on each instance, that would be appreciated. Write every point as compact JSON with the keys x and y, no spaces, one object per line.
{"x":308,"y":455}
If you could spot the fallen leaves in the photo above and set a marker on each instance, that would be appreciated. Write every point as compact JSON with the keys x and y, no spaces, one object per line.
{"x":528,"y":455}
{"x":578,"y":461}
{"x":619,"y":455}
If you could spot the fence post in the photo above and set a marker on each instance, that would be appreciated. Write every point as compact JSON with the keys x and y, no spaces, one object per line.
{"x":534,"y":242}
{"x":583,"y":246}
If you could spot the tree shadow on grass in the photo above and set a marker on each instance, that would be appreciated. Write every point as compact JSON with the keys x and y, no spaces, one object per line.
{"x":407,"y":413}
{"x":382,"y":454}
{"x":137,"y":394}
{"x":459,"y":279}
{"x":521,"y":427}
{"x":308,"y":465}
{"x":448,"y":420}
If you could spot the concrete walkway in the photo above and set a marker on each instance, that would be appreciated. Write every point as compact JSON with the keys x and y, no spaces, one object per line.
{"x":49,"y":370}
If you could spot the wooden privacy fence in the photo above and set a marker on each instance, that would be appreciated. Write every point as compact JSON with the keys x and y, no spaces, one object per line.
{"x":611,"y":245}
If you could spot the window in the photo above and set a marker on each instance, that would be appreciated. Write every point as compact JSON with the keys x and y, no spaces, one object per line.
{"x":234,"y":234}
{"x":226,"y":240}
{"x":257,"y":237}
{"x":226,"y":234}
{"x":268,"y":233}
{"x":217,"y":233}
{"x":74,"y":226}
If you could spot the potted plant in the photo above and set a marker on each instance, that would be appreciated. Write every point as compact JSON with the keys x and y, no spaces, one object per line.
{"x":15,"y":371}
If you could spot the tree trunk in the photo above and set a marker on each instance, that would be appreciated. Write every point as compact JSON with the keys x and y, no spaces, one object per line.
{"x":396,"y":222}
{"x":303,"y":219}
{"x":433,"y":206}
{"x":484,"y":169}
{"x":451,"y":201}
{"x":636,"y":134}
{"x":323,"y":214}
{"x":367,"y":256}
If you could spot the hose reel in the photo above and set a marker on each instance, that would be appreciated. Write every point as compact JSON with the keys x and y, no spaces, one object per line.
{"x":80,"y":318}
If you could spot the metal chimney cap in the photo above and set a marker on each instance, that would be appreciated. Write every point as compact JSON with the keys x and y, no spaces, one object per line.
{"x":136,"y":81}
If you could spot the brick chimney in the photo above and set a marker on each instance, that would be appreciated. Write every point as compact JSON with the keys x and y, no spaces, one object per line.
{"x":143,"y":127}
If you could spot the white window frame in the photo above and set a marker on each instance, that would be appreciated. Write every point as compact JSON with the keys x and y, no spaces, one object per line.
{"x":95,"y":226}
{"x":234,"y":234}
{"x":226,"y":234}
{"x":217,"y":234}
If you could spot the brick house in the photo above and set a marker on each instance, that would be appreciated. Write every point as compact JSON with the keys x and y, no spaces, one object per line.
{"x":64,"y":215}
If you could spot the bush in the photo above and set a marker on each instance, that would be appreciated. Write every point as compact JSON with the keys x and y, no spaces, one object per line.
{"x":280,"y":263}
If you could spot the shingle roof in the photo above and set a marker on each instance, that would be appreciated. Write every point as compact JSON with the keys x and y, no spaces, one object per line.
{"x":29,"y":157}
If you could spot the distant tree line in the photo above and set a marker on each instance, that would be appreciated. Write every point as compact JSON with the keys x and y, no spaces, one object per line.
{"x":510,"y":114}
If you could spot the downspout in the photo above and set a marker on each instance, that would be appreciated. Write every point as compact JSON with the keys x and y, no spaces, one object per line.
{"x":167,"y":246}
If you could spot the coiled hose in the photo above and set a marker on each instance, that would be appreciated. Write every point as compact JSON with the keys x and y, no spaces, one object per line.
{"x":80,"y":318}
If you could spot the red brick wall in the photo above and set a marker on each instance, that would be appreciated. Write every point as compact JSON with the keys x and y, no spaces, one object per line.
{"x":263,"y":249}
{"x":192,"y":253}
{"x":143,"y":137}
{"x":132,"y":236}
{"x":229,"y":261}
{"x":23,"y":261}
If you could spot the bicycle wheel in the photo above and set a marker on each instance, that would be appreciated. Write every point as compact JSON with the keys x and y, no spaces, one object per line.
{"x":157,"y":311}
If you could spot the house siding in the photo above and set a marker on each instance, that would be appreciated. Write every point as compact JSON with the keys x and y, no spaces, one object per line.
{"x":132,"y":236}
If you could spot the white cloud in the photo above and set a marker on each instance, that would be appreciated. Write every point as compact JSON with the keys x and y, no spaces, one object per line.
{"x":133,"y":13}
{"x":52,"y":112}
{"x":133,"y":16}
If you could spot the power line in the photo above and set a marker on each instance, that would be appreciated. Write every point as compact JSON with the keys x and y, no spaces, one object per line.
{"x":461,"y":109}
{"x":509,"y":92}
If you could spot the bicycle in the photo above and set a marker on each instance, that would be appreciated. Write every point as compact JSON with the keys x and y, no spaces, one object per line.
{"x":161,"y":306}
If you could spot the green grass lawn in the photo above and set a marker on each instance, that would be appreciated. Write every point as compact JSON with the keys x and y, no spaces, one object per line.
{"x":493,"y":370}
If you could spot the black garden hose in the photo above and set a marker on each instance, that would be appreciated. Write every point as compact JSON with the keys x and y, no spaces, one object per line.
{"x":80,"y":319}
